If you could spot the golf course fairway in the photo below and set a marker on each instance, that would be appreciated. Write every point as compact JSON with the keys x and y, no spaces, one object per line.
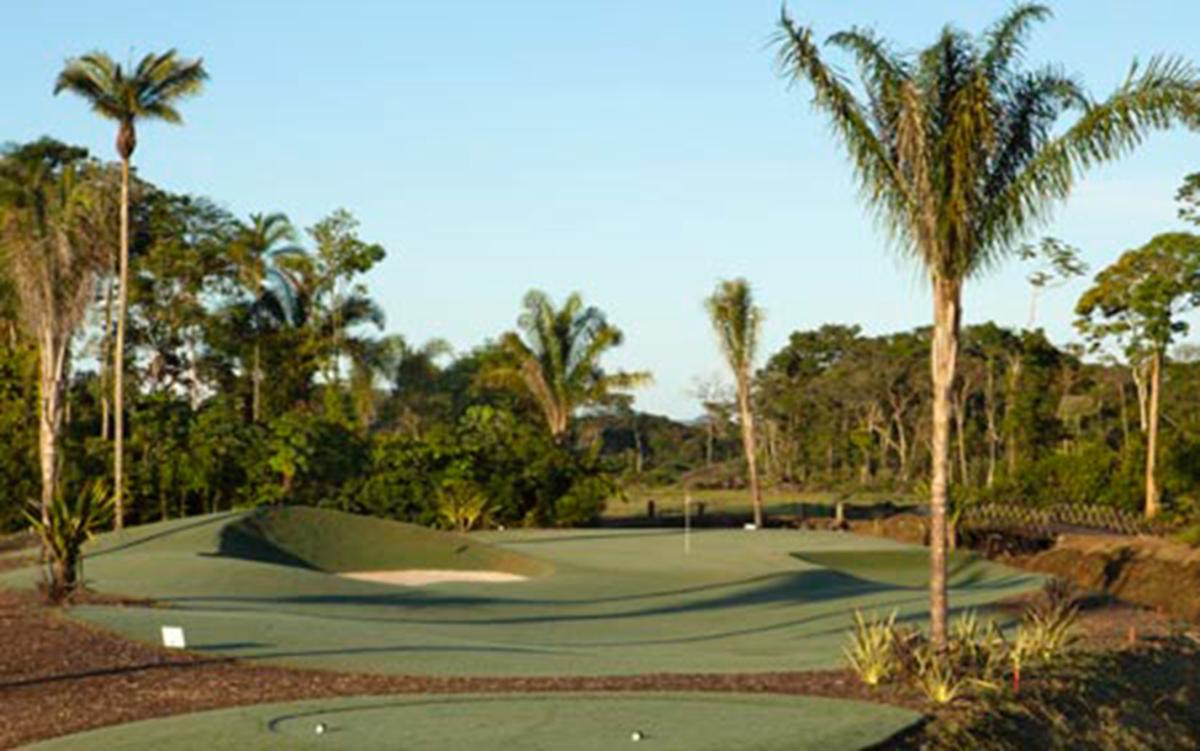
{"x":263,"y":586}
{"x":558,"y":722}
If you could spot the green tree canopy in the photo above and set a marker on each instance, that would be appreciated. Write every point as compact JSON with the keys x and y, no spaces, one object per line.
{"x":555,"y":359}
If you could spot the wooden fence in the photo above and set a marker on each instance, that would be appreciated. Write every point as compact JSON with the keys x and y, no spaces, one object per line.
{"x":1054,"y":520}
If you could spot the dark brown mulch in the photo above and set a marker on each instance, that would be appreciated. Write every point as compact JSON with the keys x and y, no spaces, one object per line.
{"x":58,"y":676}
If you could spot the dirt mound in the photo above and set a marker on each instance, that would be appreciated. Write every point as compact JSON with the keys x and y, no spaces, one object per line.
{"x":1148,"y":571}
{"x":906,"y":527}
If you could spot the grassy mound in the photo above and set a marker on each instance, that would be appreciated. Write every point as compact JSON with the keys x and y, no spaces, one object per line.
{"x":336,"y":542}
{"x":903,"y":568}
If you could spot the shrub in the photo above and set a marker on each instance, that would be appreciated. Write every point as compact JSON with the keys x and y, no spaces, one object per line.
{"x":937,"y":675}
{"x":71,"y":521}
{"x":871,"y":652}
{"x":462,"y":506}
{"x":1047,"y":630}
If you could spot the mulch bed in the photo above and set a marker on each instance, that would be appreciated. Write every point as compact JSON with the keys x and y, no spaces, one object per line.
{"x":60,"y":676}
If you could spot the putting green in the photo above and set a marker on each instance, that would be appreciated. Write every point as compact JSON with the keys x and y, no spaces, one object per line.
{"x":575,"y":722}
{"x":598,"y":602}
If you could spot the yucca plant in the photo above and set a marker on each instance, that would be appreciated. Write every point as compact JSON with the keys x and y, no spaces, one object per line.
{"x":938,"y":677}
{"x":871,"y":651}
{"x":979,"y":649}
{"x":462,"y":506}
{"x":1047,"y":631}
{"x":69,"y":522}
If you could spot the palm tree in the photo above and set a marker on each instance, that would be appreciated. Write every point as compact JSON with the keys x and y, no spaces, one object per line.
{"x":737,"y":322}
{"x":257,"y":252}
{"x":557,"y":363}
{"x":53,"y":216}
{"x":147,"y":92}
{"x":370,"y":360}
{"x":959,"y":152}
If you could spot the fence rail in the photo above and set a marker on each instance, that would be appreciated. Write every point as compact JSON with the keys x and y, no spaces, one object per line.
{"x":1053,"y":520}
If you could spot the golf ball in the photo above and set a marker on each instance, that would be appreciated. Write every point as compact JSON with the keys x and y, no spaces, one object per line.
{"x":637,"y":736}
{"x":319,"y":729}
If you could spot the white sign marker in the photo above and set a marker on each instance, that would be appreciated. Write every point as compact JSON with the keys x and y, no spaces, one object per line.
{"x":172,"y":637}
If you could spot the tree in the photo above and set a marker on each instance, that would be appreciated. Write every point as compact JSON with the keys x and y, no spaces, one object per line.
{"x":1139,"y":300}
{"x":147,"y":92}
{"x":737,"y":322}
{"x":557,"y":362}
{"x":958,"y":151}
{"x":340,"y":255}
{"x":1059,"y":264}
{"x":52,"y":221}
{"x":1189,"y":198}
{"x":257,"y":252}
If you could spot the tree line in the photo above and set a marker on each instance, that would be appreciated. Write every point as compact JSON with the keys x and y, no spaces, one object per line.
{"x":250,"y":379}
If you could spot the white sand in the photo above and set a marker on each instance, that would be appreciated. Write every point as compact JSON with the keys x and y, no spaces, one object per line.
{"x":421,"y":577}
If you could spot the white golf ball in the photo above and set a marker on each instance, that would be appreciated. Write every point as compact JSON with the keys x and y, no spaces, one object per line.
{"x":319,"y":729}
{"x":637,"y":736}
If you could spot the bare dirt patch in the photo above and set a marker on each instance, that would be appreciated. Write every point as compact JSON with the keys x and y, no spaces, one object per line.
{"x":1151,"y":572}
{"x":423,"y":577}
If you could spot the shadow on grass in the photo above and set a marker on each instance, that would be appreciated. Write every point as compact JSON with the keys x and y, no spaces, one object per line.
{"x":143,"y":540}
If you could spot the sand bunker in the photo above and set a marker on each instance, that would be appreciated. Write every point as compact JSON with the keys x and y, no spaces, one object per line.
{"x":421,"y":577}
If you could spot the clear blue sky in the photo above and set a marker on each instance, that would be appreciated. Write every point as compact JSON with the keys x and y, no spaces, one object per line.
{"x":636,"y":151}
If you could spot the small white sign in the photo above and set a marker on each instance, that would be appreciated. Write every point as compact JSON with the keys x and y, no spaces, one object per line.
{"x":172,"y":637}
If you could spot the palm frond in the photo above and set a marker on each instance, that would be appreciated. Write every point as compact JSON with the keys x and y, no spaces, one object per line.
{"x":1005,"y":41}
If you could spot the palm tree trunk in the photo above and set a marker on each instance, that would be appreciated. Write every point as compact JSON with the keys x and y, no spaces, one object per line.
{"x":256,"y":377}
{"x":1152,"y":435}
{"x":749,"y":445}
{"x":993,"y":435}
{"x":49,"y":420}
{"x":105,"y":361}
{"x":946,"y":314}
{"x":119,"y":357}
{"x":1011,"y":432}
{"x":960,"y":431}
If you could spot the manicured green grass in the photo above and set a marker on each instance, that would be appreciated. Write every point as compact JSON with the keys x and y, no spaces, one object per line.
{"x":598,"y":602}
{"x":902,"y":568}
{"x":575,"y":722}
{"x":669,"y":499}
{"x":333,"y":541}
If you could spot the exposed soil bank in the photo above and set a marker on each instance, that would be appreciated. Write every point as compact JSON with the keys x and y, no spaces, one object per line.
{"x":1152,"y":572}
{"x":1148,"y":571}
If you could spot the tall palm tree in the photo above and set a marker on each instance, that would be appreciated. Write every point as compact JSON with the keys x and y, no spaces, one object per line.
{"x":53,"y":217}
{"x":960,"y":153}
{"x":371,"y":360}
{"x":557,"y":363}
{"x":259,"y":253}
{"x":737,"y":322}
{"x":148,"y":91}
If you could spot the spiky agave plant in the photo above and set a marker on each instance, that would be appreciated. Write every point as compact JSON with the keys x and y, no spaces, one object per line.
{"x":871,"y":651}
{"x":69,"y":522}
